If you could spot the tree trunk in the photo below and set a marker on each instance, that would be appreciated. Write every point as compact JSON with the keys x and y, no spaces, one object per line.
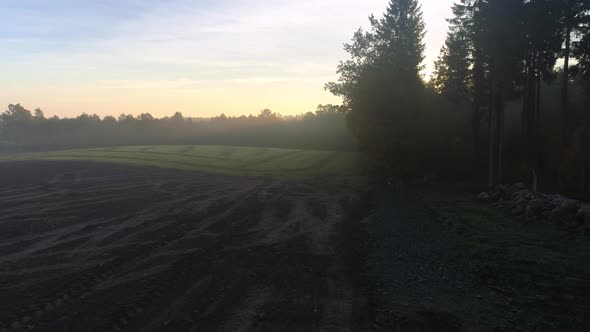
{"x":491,"y":131}
{"x":530,"y":111}
{"x":538,"y":104}
{"x":525,"y":105}
{"x":564,"y":116}
{"x":477,"y":102}
{"x":499,"y":110}
{"x":538,"y":134}
{"x":564,"y":112}
{"x":585,"y":146}
{"x":475,"y":125}
{"x":492,"y":142}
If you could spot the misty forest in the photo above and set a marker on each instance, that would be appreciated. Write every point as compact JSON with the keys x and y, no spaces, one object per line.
{"x":449,"y":202}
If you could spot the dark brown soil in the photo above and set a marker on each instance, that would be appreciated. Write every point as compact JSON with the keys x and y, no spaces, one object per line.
{"x":97,"y":247}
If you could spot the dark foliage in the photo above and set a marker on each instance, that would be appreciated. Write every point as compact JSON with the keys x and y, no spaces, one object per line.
{"x":497,"y":69}
{"x":382,"y":89}
{"x":20,"y":130}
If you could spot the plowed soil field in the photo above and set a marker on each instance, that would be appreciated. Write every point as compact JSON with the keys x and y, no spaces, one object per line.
{"x":89,"y":246}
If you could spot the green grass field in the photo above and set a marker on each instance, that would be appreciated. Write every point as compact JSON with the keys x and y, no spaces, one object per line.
{"x":217,"y":159}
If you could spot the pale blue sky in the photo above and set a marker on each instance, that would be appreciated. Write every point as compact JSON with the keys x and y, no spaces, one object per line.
{"x":198,"y":57}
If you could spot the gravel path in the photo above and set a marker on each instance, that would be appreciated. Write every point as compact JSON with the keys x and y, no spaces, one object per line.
{"x":420,"y":278}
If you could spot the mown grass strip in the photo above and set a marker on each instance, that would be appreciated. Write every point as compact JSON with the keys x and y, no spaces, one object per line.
{"x":218,"y":159}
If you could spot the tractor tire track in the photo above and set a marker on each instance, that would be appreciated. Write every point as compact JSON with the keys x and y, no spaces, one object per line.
{"x":118,"y":248}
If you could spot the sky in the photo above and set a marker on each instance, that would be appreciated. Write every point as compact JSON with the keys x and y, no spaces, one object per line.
{"x":199,"y":57}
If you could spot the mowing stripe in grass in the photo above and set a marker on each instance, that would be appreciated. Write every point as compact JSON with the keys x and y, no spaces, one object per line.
{"x":216,"y":159}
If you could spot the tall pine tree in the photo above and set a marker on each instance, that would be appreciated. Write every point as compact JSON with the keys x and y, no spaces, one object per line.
{"x":573,"y":17}
{"x":502,"y":40}
{"x":542,"y":43}
{"x":452,"y":75}
{"x":381,"y":84}
{"x":581,"y":50}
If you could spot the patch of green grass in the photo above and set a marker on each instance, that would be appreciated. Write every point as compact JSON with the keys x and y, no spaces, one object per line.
{"x":544,"y":267}
{"x":218,"y":159}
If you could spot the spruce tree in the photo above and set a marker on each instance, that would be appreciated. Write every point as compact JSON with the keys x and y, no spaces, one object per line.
{"x":452,"y":75}
{"x":461,"y":70}
{"x":573,"y":21}
{"x":542,"y":43}
{"x":581,"y":50}
{"x":381,"y":84}
{"x":502,"y":40}
{"x":399,"y":36}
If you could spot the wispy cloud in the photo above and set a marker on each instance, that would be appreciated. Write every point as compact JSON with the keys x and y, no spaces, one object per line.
{"x":149,"y":84}
{"x":161,"y":45}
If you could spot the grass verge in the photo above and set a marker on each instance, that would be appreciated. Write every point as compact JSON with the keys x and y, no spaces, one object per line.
{"x":544,"y":268}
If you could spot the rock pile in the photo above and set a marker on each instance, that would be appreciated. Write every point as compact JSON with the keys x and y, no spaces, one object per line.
{"x":521,"y":201}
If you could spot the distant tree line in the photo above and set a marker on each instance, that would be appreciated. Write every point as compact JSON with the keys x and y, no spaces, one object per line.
{"x":498,"y":106}
{"x":23,"y":130}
